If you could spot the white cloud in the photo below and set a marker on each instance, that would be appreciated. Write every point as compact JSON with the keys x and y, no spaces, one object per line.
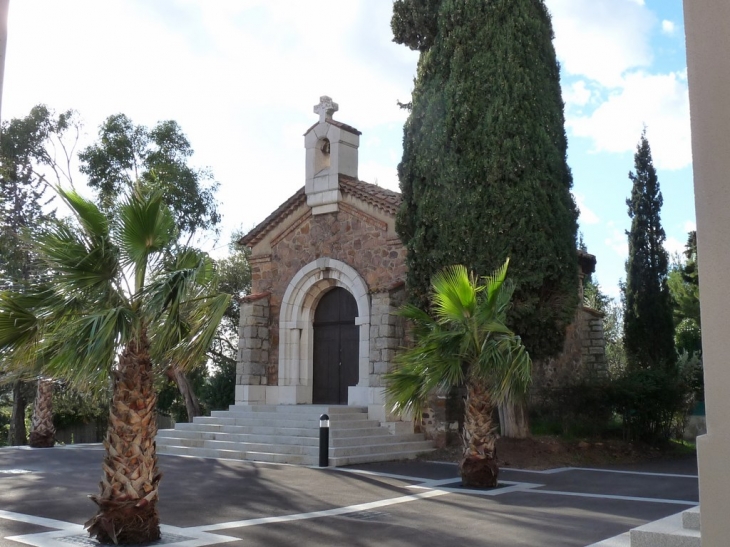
{"x":602,"y":39}
{"x":660,"y":101}
{"x":577,"y":94}
{"x":668,"y":27}
{"x":618,"y":241}
{"x":674,"y":246}
{"x":586,"y":215}
{"x":690,"y":226}
{"x":374,"y":172}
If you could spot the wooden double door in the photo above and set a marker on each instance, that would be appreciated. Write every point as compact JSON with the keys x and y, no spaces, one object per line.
{"x":336,"y":347}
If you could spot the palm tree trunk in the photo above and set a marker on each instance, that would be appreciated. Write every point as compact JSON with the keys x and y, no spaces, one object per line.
{"x":129,"y":484}
{"x":42,"y":434}
{"x":479,"y":466}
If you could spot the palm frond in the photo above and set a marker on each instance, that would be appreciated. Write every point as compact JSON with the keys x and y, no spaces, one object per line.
{"x":79,"y":263}
{"x":18,"y":324}
{"x":84,"y":348}
{"x":143,"y":226}
{"x":454,"y":296}
{"x":90,"y":217}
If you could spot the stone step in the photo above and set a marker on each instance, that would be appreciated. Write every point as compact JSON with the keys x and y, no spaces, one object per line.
{"x":377,"y":457}
{"x":288,"y":416}
{"x":290,"y":434}
{"x":283,"y":431}
{"x":302,"y":410}
{"x":667,"y":532}
{"x":236,"y":437}
{"x":261,"y":430}
{"x":395,"y":446}
{"x":239,"y":455}
{"x":343,"y":442}
{"x":295,"y":459}
{"x":691,"y":518}
{"x":335,"y":441}
{"x":288,"y":422}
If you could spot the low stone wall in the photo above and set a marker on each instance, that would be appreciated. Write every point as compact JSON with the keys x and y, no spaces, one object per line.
{"x":253,"y":341}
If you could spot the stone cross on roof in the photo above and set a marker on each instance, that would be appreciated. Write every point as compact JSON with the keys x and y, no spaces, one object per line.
{"x":325,"y":108}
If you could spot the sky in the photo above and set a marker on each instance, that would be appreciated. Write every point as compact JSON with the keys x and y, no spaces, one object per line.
{"x":241,"y":77}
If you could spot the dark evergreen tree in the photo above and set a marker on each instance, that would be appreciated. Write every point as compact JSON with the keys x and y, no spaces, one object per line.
{"x":23,"y":199}
{"x":484,"y":174}
{"x":648,"y":321}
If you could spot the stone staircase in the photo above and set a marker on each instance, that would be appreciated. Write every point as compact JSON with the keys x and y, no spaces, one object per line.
{"x":680,"y":530}
{"x":290,"y":434}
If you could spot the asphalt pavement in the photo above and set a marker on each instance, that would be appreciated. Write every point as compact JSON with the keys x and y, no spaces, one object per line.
{"x":43,"y":502}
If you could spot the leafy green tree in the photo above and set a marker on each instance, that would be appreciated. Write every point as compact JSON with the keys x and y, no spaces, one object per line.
{"x":126,"y":153}
{"x":125,"y":302}
{"x":25,"y":151}
{"x":235,"y":279}
{"x":484,"y":173}
{"x":684,"y":287}
{"x":465,"y":342}
{"x":648,"y":323}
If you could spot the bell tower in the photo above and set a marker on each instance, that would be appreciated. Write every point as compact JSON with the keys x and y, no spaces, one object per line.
{"x":331,"y":150}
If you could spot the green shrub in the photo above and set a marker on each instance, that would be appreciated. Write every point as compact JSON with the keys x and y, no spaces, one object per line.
{"x":652,"y":403}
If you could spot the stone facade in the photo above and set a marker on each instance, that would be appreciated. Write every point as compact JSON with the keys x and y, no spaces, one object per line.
{"x":387,"y":332}
{"x":337,"y":231}
{"x":253,"y":343}
{"x":583,"y":356}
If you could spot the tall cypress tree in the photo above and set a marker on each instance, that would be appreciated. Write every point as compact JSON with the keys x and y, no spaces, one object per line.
{"x":484,"y":173}
{"x":648,"y":323}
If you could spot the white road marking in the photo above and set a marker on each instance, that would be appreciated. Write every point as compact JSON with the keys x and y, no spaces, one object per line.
{"x":39,"y":521}
{"x":318,"y":514}
{"x":596,"y":470}
{"x":613,"y":497}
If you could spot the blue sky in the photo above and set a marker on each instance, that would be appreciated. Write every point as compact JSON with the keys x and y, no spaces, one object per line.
{"x":242,"y":76}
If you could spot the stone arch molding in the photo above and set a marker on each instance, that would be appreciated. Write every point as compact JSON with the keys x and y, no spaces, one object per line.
{"x":296,"y":333}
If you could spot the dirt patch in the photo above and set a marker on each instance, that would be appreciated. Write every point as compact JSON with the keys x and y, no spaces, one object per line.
{"x":551,"y":452}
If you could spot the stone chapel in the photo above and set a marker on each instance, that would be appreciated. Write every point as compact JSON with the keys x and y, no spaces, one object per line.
{"x":327,"y":271}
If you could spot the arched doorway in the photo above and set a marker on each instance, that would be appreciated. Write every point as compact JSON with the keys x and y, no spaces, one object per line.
{"x":336,"y":347}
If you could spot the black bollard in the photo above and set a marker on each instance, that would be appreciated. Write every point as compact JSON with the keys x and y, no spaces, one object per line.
{"x":324,"y":440}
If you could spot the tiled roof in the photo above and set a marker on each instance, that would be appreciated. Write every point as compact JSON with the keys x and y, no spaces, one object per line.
{"x":386,"y":200}
{"x":341,"y":125}
{"x":255,"y":235}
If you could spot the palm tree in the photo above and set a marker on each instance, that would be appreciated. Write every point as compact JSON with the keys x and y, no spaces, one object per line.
{"x":465,"y":343}
{"x":124,"y":301}
{"x":43,"y":433}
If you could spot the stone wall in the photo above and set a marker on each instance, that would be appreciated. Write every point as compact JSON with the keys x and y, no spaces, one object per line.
{"x":349,"y":235}
{"x":253,"y":342}
{"x":387,"y":332}
{"x":583,"y":357}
